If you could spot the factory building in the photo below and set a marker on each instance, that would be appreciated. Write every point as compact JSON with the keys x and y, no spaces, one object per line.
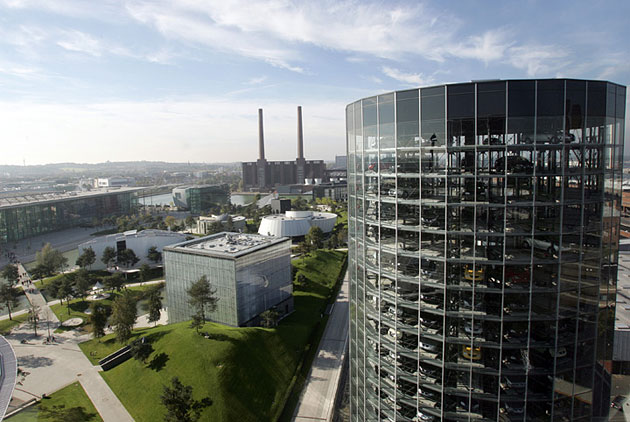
{"x":264,"y":175}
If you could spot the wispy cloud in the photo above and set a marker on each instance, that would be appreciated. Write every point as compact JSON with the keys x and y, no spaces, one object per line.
{"x":80,"y":42}
{"x":537,"y":59}
{"x":256,"y":80}
{"x":408,"y":78}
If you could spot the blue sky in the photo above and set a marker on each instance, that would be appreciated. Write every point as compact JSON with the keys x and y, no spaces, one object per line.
{"x":86,"y":81}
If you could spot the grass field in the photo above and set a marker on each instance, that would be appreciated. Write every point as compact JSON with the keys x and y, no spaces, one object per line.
{"x":7,"y":325}
{"x":70,"y":397}
{"x":246,"y":372}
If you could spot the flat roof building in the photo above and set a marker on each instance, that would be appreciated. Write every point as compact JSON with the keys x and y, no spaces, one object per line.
{"x":251,"y":273}
{"x":32,"y":214}
{"x":138,"y":241}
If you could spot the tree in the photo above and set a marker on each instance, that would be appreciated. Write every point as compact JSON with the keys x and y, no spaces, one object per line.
{"x":82,"y":283}
{"x":11,"y":273}
{"x":141,"y":350}
{"x":65,"y":290}
{"x":127,"y":258}
{"x":170,"y":221}
{"x":114,"y":281}
{"x":50,"y":259}
{"x":9,"y":297}
{"x":270,"y":318}
{"x":201,"y":296}
{"x":109,"y":255}
{"x":197,"y":322}
{"x":314,"y":238}
{"x":190,"y":221}
{"x":145,"y":272}
{"x":98,"y":319}
{"x":154,"y":255}
{"x":38,"y":272}
{"x":124,"y":314}
{"x":33,"y":317}
{"x":87,"y":258}
{"x":179,"y":403}
{"x":155,"y":305}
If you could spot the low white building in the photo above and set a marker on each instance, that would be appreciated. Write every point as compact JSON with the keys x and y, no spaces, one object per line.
{"x":110,"y":182}
{"x":296,"y":223}
{"x":139,"y":242}
{"x":204,"y":223}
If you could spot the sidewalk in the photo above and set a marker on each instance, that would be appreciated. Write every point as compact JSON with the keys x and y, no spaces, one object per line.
{"x":317,"y":401}
{"x":53,"y":366}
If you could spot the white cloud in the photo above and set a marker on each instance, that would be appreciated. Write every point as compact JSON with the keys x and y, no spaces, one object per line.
{"x":256,"y":80}
{"x":538,"y":59}
{"x":80,"y":42}
{"x":408,"y":78}
{"x":273,"y":30}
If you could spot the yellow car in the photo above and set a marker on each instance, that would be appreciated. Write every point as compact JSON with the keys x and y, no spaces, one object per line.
{"x":474,"y":275}
{"x":472,"y":353}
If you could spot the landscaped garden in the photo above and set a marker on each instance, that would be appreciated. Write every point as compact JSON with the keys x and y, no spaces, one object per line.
{"x":248,"y":373}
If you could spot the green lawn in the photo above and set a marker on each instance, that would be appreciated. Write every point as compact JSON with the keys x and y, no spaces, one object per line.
{"x":70,"y":397}
{"x":246,"y":372}
{"x":7,"y":325}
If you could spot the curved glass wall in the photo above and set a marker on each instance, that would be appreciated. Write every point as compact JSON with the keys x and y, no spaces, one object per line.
{"x":483,"y":233}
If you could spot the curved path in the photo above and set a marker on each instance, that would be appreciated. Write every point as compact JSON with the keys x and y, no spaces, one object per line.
{"x":54,"y":365}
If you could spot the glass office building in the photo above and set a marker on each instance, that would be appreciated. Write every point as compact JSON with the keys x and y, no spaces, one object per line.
{"x":251,"y":273}
{"x":483,"y":243}
{"x":33,"y":214}
{"x":198,"y":199}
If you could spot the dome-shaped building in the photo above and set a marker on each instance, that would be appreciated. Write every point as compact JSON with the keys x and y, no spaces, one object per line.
{"x":296,"y":223}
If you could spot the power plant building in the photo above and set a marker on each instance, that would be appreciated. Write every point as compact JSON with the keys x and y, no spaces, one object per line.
{"x":265,"y":175}
{"x":483,"y":250}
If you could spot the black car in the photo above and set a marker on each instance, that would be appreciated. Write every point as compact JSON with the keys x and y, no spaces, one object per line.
{"x":515,"y":164}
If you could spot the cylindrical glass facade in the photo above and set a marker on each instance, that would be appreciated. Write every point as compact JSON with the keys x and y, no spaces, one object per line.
{"x":483,"y":242}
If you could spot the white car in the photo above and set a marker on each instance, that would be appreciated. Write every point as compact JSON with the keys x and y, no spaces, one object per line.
{"x":544,"y":245}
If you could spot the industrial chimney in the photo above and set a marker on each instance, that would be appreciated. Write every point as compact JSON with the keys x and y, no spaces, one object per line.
{"x":261,"y":136}
{"x":300,"y":135}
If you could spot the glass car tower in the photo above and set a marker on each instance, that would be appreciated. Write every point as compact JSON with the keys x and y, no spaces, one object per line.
{"x":483,"y":243}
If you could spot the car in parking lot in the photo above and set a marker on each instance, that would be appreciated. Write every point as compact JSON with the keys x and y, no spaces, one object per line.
{"x":618,"y":402}
{"x":473,"y":273}
{"x":548,"y":247}
{"x":472,"y":353}
{"x":471,"y":328}
{"x":514,"y":164}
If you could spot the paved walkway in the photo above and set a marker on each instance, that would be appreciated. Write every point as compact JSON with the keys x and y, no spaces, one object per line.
{"x":53,"y":366}
{"x":317,"y":401}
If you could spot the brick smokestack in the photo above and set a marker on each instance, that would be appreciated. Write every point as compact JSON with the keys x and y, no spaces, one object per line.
{"x":261,"y":136}
{"x":300,"y":135}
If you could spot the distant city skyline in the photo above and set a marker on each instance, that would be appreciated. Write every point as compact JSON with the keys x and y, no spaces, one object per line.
{"x":182,"y":81}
